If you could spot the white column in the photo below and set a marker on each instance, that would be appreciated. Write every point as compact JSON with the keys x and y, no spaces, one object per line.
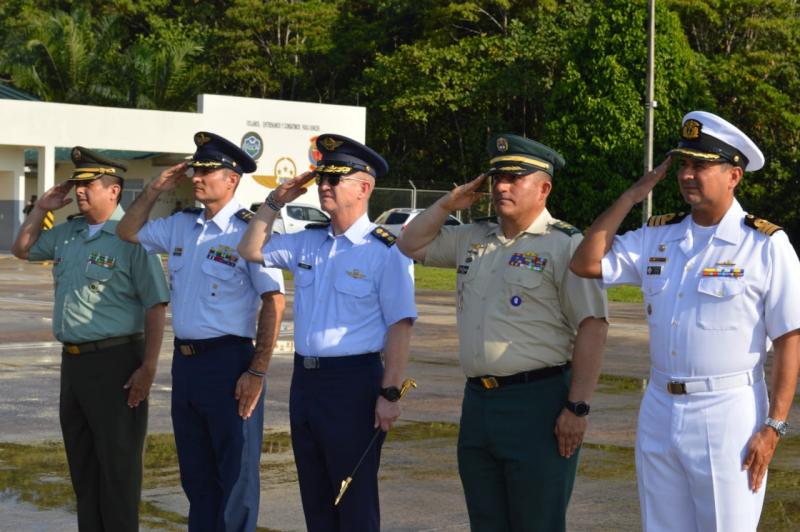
{"x":47,"y":169}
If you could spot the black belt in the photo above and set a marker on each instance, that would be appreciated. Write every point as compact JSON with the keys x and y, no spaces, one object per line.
{"x":488,"y":381}
{"x":195,"y":347}
{"x":90,"y":347}
{"x":348,"y":361}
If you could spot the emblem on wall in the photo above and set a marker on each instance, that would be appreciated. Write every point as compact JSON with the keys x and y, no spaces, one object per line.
{"x":285,"y":170}
{"x":252,"y":145}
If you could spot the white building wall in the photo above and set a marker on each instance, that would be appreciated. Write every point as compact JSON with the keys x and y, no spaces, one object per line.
{"x":287,"y":131}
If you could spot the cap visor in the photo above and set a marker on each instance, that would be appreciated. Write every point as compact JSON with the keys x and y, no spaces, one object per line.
{"x":84,"y":176}
{"x":205,"y":164}
{"x":694,"y":154}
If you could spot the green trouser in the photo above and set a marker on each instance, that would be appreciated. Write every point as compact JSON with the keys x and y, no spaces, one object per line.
{"x":103,"y":436}
{"x":513,"y":477}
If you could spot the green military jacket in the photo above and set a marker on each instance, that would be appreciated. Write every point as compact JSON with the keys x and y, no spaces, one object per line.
{"x":103,"y":285}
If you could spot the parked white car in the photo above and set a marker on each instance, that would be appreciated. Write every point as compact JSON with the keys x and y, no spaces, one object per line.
{"x":395,"y":220}
{"x":295,"y":217}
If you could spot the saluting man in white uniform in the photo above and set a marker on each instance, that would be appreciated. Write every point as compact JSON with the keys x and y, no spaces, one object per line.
{"x":718,"y":285}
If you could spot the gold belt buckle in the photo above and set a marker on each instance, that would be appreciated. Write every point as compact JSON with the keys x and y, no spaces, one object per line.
{"x":187,"y":349}
{"x":676,"y":388}
{"x":72,"y":349}
{"x":489,"y":383}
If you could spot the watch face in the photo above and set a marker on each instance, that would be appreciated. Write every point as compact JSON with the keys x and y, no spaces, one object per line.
{"x":578,"y":408}
{"x":392,"y":393}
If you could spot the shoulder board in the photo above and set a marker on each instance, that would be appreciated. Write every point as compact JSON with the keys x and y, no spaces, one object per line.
{"x":192,"y":210}
{"x":761,"y":225}
{"x":245,"y":215}
{"x":318,"y":226}
{"x":564,"y":227}
{"x":487,"y":219}
{"x":76,"y":216}
{"x":384,"y":236}
{"x":666,"y":219}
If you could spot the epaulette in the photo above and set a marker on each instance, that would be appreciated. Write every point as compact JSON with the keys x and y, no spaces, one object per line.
{"x":245,"y":215}
{"x":564,"y":227}
{"x":76,"y":216}
{"x":487,"y":219}
{"x":657,"y":220}
{"x":318,"y":226}
{"x":761,"y":225}
{"x":192,"y":210}
{"x":384,"y":236}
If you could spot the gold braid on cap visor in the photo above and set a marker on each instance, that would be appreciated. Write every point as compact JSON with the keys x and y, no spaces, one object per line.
{"x":519,"y":159}
{"x":697,"y":154}
{"x":90,"y":171}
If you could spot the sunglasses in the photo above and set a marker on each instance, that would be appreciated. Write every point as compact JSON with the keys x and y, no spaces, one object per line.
{"x":334,"y":179}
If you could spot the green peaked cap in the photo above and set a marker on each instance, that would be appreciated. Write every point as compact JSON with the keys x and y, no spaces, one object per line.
{"x":512,"y":154}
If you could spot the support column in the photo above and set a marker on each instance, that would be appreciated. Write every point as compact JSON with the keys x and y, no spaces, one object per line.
{"x":12,"y":192}
{"x":47,"y":169}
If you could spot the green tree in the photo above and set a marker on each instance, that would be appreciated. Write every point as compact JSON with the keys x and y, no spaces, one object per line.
{"x":749,"y":51}
{"x":61,"y":56}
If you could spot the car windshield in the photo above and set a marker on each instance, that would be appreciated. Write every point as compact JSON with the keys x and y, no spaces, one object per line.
{"x":396,"y":218}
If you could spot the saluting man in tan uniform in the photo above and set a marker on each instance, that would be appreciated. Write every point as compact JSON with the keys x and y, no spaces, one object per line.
{"x":531,"y":336}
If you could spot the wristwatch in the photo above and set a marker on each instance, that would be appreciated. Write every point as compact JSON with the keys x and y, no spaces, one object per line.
{"x":391,"y":394}
{"x":778,"y":426}
{"x":579,"y":408}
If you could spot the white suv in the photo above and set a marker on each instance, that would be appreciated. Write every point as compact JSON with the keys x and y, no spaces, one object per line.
{"x":395,"y":220}
{"x":295,"y":217}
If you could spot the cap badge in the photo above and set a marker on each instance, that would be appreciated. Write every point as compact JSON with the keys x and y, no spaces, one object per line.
{"x":76,"y":154}
{"x":331,"y":144}
{"x":691,"y":129}
{"x":201,"y":139}
{"x":502,"y":145}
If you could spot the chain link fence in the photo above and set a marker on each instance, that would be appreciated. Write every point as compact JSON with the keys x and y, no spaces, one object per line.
{"x":383,"y":199}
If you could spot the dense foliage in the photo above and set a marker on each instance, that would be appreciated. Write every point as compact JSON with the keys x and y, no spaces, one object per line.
{"x":439,"y":76}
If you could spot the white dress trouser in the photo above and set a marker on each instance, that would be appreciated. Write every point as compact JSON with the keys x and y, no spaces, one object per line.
{"x":689,"y":455}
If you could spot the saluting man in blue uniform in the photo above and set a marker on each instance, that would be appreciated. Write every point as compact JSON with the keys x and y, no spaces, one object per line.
{"x":218,"y":376}
{"x":354,"y":300}
{"x":718,"y":285}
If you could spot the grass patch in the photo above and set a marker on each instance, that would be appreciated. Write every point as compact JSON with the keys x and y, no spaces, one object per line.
{"x":427,"y":278}
{"x":418,"y":430}
{"x":625,"y":294}
{"x":601,"y":462}
{"x":444,"y":279}
{"x":619,"y":384}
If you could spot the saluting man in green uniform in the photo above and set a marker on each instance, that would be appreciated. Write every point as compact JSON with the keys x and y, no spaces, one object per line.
{"x":110,"y":305}
{"x":531,"y":336}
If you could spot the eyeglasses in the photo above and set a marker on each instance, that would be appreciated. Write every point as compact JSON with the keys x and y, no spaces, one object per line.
{"x":334,"y":179}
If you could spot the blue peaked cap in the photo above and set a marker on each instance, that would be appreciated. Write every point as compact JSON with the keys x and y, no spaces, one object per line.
{"x":214,"y":151}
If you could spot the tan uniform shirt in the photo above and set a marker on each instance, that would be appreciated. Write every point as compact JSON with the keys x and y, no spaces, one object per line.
{"x":519,"y":305}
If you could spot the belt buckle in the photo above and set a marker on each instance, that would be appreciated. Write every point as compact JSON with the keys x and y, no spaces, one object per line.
{"x":489,"y":383}
{"x":72,"y":349}
{"x":186,"y":349}
{"x":311,"y":362}
{"x":676,"y":387}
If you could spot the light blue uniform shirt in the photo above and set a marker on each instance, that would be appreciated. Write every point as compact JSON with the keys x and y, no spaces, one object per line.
{"x":349,"y":289}
{"x":214,"y":291}
{"x":710,"y":309}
